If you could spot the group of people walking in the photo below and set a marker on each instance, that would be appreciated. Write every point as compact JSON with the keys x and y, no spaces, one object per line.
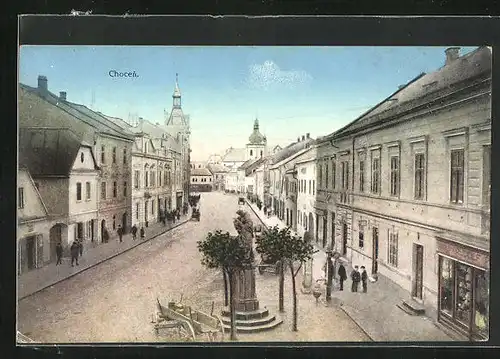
{"x":76,"y":251}
{"x":357,"y":276}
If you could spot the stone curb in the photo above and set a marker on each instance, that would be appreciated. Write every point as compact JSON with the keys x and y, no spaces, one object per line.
{"x":102,"y":261}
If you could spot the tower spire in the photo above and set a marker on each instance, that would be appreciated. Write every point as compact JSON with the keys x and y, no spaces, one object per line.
{"x":177,"y":92}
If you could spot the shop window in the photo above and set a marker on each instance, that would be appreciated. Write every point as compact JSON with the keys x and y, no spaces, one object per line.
{"x":481,"y":307}
{"x":446,"y":301}
{"x":464,"y":293}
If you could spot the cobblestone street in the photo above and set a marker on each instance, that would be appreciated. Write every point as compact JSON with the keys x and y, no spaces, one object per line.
{"x":114,"y":301}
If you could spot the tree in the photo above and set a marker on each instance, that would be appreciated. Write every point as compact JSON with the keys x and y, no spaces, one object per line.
{"x":288,"y":249}
{"x":270,"y":247}
{"x":229,"y":253}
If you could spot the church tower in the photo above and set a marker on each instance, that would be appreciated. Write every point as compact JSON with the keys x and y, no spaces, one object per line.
{"x":177,"y":124}
{"x":257,"y":144}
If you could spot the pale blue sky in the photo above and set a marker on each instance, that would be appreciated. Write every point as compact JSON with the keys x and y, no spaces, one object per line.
{"x":292,"y":90}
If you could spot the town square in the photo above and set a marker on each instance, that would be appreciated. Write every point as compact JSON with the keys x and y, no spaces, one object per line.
{"x":253,"y":194}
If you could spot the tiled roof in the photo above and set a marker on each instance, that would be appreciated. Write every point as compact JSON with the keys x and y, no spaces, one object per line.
{"x":252,"y":166}
{"x":234,"y":155}
{"x":247,"y":163}
{"x":79,"y":113}
{"x":217,"y":168}
{"x":291,"y":149}
{"x":426,"y":87}
{"x":200,"y":172}
{"x":48,"y":151}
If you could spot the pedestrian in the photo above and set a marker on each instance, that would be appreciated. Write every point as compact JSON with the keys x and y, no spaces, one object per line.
{"x":356,"y":278}
{"x":142,"y":233}
{"x":59,"y":252}
{"x":74,"y":253}
{"x":120,"y":232}
{"x":173,"y":215}
{"x":364,"y":279}
{"x":342,"y":275}
{"x":134,"y":232}
{"x":178,"y":215}
{"x":80,"y":246}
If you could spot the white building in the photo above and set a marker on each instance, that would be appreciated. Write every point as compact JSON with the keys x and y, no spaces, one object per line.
{"x":66,"y":175}
{"x":33,"y":225}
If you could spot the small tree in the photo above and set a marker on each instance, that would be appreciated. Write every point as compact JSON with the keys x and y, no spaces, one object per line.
{"x":270,"y":247}
{"x":281,"y":245}
{"x":229,"y":253}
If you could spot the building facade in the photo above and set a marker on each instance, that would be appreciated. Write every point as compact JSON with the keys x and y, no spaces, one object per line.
{"x":411,"y":190}
{"x":33,"y":225}
{"x":201,"y":180}
{"x":65,"y":175}
{"x":219,"y":173}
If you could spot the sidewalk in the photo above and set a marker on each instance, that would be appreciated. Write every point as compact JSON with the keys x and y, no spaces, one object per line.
{"x":50,"y":274}
{"x":376,"y":311}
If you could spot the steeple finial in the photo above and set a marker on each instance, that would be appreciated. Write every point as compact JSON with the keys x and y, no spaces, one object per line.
{"x":256,"y":124}
{"x":176,"y":77}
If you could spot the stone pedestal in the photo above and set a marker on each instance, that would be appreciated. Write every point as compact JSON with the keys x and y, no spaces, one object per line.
{"x":244,"y":291}
{"x":308,"y":278}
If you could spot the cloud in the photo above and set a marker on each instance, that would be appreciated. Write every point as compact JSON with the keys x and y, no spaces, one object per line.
{"x":267,"y":75}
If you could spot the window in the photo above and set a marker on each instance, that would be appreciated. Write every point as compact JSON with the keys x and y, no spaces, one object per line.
{"x":87,"y":188}
{"x":334,"y":174}
{"x":419,"y":175}
{"x":326,"y":175}
{"x":114,"y":222}
{"x":361,"y":237}
{"x":103,"y":154}
{"x":124,"y":189}
{"x":114,"y":189}
{"x":136,"y":179}
{"x":137,"y":210}
{"x":251,"y":153}
{"x":82,"y":157}
{"x":78,"y":191}
{"x":457,"y":176}
{"x":394,"y":176}
{"x":375,"y":175}
{"x":124,"y":156}
{"x":320,"y":176}
{"x":309,"y":186}
{"x":103,"y":190}
{"x":314,"y":190}
{"x":152,"y":206}
{"x":345,"y":175}
{"x":146,"y":174}
{"x":260,"y":153}
{"x":361,"y":176}
{"x":20,"y":197}
{"x":114,"y":155}
{"x":486,"y":176}
{"x":392,"y":256}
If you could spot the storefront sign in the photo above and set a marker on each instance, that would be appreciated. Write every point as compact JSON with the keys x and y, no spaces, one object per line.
{"x":464,"y":254}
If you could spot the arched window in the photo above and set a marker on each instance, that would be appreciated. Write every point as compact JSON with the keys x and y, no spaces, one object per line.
{"x":251,"y":153}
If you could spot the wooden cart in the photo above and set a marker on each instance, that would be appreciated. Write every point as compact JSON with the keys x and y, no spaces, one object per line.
{"x":189,"y":323}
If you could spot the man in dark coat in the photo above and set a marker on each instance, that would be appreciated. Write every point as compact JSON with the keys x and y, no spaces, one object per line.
{"x":59,"y":253}
{"x":134,"y":232}
{"x":342,"y":275}
{"x":364,"y":279}
{"x":80,"y":246}
{"x":120,"y":233}
{"x":356,"y":278}
{"x":74,"y":250}
{"x":142,"y":233}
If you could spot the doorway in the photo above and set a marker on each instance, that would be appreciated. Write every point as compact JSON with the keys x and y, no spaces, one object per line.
{"x":31,"y":252}
{"x":418,"y":266}
{"x":375,"y":250}
{"x":325,"y":230}
{"x":344,"y":239}
{"x":55,"y":236}
{"x":124,"y":223}
{"x":103,"y":231}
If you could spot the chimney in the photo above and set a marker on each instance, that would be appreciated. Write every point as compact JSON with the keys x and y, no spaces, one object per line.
{"x":307,"y":135}
{"x":298,"y":139}
{"x":303,"y":138}
{"x":42,"y":83}
{"x":452,"y":53}
{"x":62,"y":95}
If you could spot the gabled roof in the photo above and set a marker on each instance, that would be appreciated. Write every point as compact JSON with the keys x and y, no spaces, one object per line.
{"x":425,"y":88}
{"x":48,"y":151}
{"x":234,"y":155}
{"x":33,"y":186}
{"x":200,"y":172}
{"x":245,"y":164}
